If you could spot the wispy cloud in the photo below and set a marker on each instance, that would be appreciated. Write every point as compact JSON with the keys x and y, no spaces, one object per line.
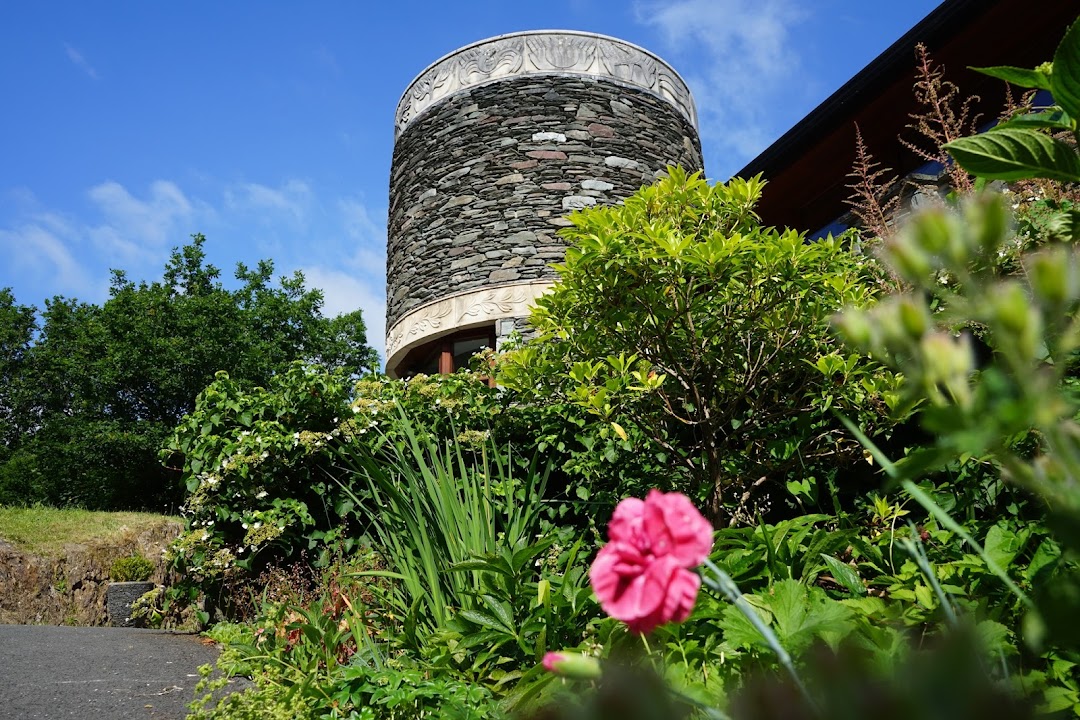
{"x":292,"y":198}
{"x":360,"y":282}
{"x":357,"y":221}
{"x":748,"y":61}
{"x":80,"y":62}
{"x":338,"y":242}
{"x":139,"y":230}
{"x":58,"y":253}
{"x":40,"y":248}
{"x":344,"y":292}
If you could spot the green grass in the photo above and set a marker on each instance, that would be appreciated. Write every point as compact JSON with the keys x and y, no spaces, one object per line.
{"x":47,"y":531}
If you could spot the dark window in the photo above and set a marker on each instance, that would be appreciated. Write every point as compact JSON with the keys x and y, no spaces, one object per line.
{"x":447,"y":354}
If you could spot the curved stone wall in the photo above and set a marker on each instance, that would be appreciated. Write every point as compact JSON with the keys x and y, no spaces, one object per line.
{"x":483,"y":174}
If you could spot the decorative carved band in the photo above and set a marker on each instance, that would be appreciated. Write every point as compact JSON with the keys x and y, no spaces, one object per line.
{"x":562,"y":52}
{"x":459,"y":311}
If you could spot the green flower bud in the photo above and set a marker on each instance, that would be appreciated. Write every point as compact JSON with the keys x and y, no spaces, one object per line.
{"x":1053,"y":277}
{"x":1011,"y":307}
{"x":1017,"y":321}
{"x":853,"y":327}
{"x":987,"y":223}
{"x":572,"y":665}
{"x":913,"y":316}
{"x":908,"y":260}
{"x":931,"y":232}
{"x":947,"y":365}
{"x":891,"y":328}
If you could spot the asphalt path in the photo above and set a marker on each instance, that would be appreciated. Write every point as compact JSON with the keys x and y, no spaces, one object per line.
{"x":97,"y":672}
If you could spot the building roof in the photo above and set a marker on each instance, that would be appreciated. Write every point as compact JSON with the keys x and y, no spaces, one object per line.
{"x":807,"y":167}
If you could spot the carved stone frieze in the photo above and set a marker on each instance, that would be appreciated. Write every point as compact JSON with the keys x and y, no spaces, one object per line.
{"x":544,"y":52}
{"x":459,"y":311}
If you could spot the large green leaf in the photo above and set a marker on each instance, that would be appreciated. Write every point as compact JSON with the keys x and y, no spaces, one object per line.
{"x":1016,"y":154}
{"x":484,"y":620}
{"x":1065,"y":79}
{"x":1002,"y":545}
{"x":803,"y":615}
{"x":1053,"y":119}
{"x":845,"y":575}
{"x":1018,"y":76}
{"x":739,"y":632}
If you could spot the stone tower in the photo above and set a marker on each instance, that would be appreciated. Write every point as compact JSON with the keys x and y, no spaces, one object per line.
{"x":494,"y":144}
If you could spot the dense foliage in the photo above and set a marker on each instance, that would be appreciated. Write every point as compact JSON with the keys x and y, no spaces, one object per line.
{"x":91,"y":394}
{"x":677,"y":315}
{"x":419,"y":548}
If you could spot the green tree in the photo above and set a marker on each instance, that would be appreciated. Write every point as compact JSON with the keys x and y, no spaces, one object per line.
{"x":679,"y":313}
{"x":104,"y":385}
{"x":17,"y":326}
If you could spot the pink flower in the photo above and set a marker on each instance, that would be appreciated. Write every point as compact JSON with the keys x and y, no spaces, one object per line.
{"x":643,"y":576}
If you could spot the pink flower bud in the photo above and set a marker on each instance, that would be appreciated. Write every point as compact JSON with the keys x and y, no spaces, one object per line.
{"x":572,"y":665}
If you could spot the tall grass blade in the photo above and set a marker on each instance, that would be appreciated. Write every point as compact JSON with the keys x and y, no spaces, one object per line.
{"x":936,"y":510}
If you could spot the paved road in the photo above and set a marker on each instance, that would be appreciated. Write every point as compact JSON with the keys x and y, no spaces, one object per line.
{"x":106,"y":673}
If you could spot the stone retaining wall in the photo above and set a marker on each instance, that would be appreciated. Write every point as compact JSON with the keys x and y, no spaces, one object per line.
{"x":69,"y":589}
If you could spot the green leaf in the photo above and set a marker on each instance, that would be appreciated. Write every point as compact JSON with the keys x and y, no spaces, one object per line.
{"x":845,"y":575}
{"x":525,"y":554}
{"x":1002,"y":545}
{"x":739,"y":632}
{"x":801,"y":615}
{"x":1057,"y":698}
{"x":1046,"y":556}
{"x":482,"y":619}
{"x":925,"y":596}
{"x":1016,"y":154}
{"x":501,"y":610}
{"x":1053,"y":119}
{"x":1018,"y":76}
{"x":994,"y":637}
{"x":496,"y":565}
{"x":1065,"y":78}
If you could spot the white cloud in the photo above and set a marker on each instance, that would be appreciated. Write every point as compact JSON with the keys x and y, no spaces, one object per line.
{"x":292,"y":198}
{"x":344,"y":292}
{"x":367,"y":239}
{"x":341,"y":252}
{"x":138,"y":230}
{"x":80,"y":62}
{"x":748,"y":59}
{"x":40,"y":249}
{"x":357,"y":221}
{"x":61,"y":254}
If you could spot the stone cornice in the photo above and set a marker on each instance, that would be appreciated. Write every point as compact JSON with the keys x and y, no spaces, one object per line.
{"x":544,"y":52}
{"x":459,"y":312}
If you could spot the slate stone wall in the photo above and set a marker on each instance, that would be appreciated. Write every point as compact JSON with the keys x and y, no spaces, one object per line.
{"x":481,"y":181}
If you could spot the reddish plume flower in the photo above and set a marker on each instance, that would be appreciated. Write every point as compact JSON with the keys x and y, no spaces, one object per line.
{"x":643,"y":576}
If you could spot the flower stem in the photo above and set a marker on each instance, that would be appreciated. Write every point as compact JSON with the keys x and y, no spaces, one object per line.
{"x":723,"y":584}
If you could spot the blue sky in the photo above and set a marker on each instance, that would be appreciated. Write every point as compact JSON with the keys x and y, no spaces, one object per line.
{"x":268,"y":126}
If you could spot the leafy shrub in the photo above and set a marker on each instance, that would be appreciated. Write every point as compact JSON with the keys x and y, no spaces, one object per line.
{"x":132,"y":568}
{"x":255,"y":465}
{"x":679,"y":318}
